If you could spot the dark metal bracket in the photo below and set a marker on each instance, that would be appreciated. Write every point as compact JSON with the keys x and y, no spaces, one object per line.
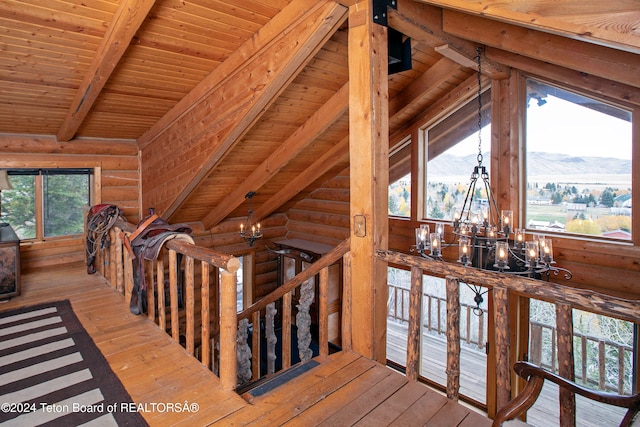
{"x":379,"y":9}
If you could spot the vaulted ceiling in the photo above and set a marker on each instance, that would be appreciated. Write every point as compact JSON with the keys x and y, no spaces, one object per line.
{"x":224,"y":98}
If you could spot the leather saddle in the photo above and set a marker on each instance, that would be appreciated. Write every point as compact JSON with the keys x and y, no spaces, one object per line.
{"x":145,"y":243}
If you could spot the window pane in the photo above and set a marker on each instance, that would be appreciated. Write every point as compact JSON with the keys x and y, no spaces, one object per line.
{"x":400,"y":180}
{"x":452,"y":156}
{"x":400,"y":197}
{"x":19,"y":207}
{"x":66,"y":198}
{"x":240,"y":285}
{"x":578,"y":164}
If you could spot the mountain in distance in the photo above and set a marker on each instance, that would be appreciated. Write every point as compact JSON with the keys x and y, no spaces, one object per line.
{"x":538,"y":164}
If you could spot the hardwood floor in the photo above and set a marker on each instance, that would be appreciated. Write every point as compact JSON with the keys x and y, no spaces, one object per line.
{"x":344,"y":389}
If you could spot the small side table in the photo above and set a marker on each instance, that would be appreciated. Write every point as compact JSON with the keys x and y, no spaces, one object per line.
{"x":9,"y":262}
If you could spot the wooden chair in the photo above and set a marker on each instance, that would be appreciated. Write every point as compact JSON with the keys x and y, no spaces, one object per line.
{"x":535,"y":377}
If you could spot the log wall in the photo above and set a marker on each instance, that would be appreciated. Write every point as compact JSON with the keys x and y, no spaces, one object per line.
{"x":225,"y":237}
{"x":118,"y":183}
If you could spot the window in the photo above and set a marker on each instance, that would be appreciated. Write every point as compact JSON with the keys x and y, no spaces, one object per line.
{"x":46,"y":203}
{"x":400,"y":197}
{"x":240,"y":303}
{"x":400,"y":180}
{"x":578,"y":164}
{"x":451,"y":155}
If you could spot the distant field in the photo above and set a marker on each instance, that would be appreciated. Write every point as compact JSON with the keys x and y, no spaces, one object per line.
{"x":547,"y":213}
{"x":561,"y":214}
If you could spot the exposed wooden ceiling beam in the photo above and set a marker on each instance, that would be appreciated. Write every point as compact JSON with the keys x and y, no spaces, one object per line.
{"x":324,"y":117}
{"x":429,"y":81}
{"x":192,"y":144}
{"x":442,"y":108}
{"x":570,"y":77}
{"x":337,"y":156}
{"x":265,"y":37}
{"x":423,"y":23}
{"x":612,"y":64}
{"x":125,"y":24}
{"x":612,"y":23}
{"x":453,"y":54}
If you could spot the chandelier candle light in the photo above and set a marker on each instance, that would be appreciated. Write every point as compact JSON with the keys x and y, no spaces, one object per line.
{"x":250,"y":230}
{"x":485,"y":239}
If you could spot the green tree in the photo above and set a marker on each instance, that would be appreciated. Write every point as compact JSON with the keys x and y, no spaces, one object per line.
{"x":607,"y":197}
{"x":393,"y":205}
{"x":19,"y":207}
{"x":65,"y":198}
{"x":436,"y":212}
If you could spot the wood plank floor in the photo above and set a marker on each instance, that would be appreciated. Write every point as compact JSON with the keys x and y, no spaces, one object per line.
{"x":345,"y":389}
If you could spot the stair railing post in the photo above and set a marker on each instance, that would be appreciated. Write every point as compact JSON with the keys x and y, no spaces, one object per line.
{"x":228,"y":331}
{"x":453,"y":338}
{"x":414,"y":334}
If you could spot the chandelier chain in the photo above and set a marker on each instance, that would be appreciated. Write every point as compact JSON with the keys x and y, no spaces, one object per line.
{"x":479,"y":50}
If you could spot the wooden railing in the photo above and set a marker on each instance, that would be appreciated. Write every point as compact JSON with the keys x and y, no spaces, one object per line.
{"x":565,"y":299}
{"x":265,"y":312}
{"x":195,"y":326}
{"x":475,"y":329}
{"x":214,"y":322}
{"x":536,"y":331}
{"x":435,"y":322}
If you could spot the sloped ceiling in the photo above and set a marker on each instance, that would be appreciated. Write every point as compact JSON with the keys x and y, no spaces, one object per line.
{"x":251,"y":95}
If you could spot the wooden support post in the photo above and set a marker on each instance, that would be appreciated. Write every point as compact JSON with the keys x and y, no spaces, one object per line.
{"x":205,"y":332}
{"x":190,"y":304}
{"x":151,"y":299}
{"x":119,"y":285}
{"x":286,"y":326}
{"x":255,"y":346}
{"x":127,"y":284}
{"x":502,"y":340}
{"x":369,"y":177}
{"x":324,"y":313}
{"x":566,"y":365}
{"x":162,"y":304}
{"x":174,"y":269}
{"x":113,"y":265}
{"x":453,"y":338}
{"x":346,"y":302}
{"x":228,"y":331}
{"x":415,"y":324}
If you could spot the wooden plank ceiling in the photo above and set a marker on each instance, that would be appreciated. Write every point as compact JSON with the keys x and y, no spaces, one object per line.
{"x":227,"y":97}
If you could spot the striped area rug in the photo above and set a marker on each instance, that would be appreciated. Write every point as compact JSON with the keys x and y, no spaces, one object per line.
{"x":51,"y":373}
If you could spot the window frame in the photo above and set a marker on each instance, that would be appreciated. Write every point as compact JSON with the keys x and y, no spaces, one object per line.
{"x":39,"y":195}
{"x":426,"y":148}
{"x":634,"y":110}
